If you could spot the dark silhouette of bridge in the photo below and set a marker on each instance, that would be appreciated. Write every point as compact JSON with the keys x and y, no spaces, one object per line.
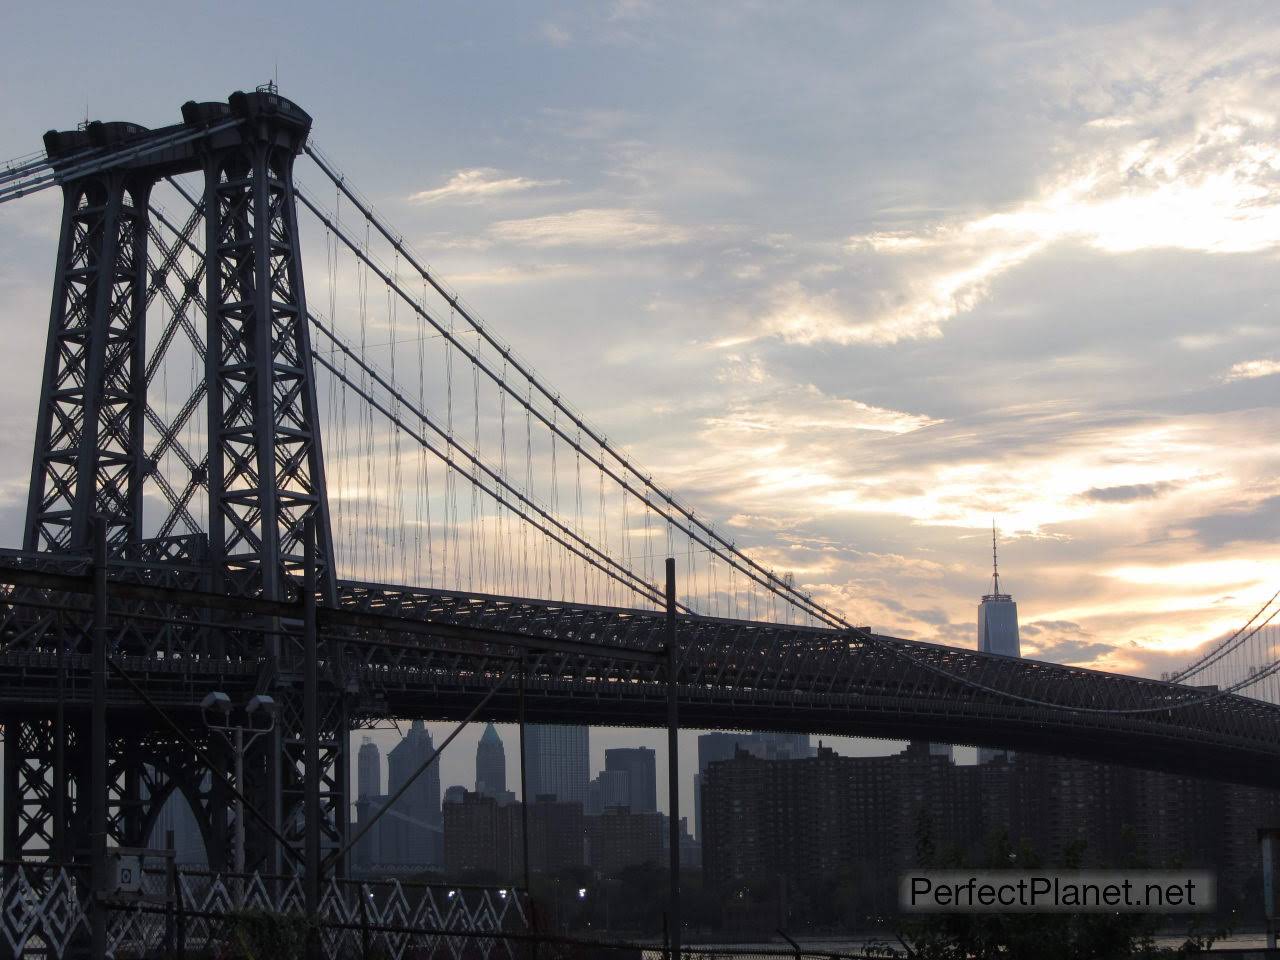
{"x":246,"y":534}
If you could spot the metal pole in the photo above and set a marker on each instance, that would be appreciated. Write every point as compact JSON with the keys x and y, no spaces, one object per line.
{"x":311,"y":726}
{"x":98,"y":741}
{"x":180,"y":917}
{"x":60,"y":845}
{"x":524,"y":805}
{"x":239,"y":837}
{"x":170,"y":879}
{"x":524,"y":781}
{"x":673,"y":760}
{"x":363,"y":897}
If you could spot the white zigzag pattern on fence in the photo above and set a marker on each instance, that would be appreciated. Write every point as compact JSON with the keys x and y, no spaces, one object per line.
{"x":43,"y":916}
{"x":43,"y":908}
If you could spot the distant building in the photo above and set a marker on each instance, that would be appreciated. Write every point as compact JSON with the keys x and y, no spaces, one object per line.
{"x":481,"y":838}
{"x":781,"y":746}
{"x":720,"y":746}
{"x":491,"y":763}
{"x":609,"y":789}
{"x":621,"y":838}
{"x":867,"y":818}
{"x":557,"y":761}
{"x":690,"y":848}
{"x":723,"y":746}
{"x":556,"y":834}
{"x":417,"y":813}
{"x":997,"y":630}
{"x":713,"y":747}
{"x":455,"y":794}
{"x":640,"y":766}
{"x":369,"y":770}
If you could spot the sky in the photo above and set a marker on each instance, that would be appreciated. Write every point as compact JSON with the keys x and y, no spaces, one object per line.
{"x":853,"y":278}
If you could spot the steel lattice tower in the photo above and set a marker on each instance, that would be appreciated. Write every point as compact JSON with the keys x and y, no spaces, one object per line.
{"x":88,"y":452}
{"x":264,"y":473}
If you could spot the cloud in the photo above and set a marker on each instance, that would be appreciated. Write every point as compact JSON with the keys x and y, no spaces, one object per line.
{"x":1127,"y":493}
{"x":771,"y":408}
{"x":1135,"y":183}
{"x":514,"y":273}
{"x":1252,"y":369}
{"x":476,"y":185}
{"x":555,"y":35}
{"x":816,"y":412}
{"x":1256,"y":523}
{"x":603,"y":227}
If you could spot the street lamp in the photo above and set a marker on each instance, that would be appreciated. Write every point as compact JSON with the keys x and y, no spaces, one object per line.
{"x":260,"y":718}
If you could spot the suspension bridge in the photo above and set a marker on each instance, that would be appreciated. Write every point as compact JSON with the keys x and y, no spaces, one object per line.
{"x":352,"y":496}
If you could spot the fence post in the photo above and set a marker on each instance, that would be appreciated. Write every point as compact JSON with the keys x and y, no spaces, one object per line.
{"x":179,"y":912}
{"x":171,"y":866}
{"x":364,"y":921}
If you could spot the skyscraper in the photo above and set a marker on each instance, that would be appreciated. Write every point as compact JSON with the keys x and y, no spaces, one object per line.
{"x":640,"y":765}
{"x":369,"y":770}
{"x":610,"y":789}
{"x":781,"y":746}
{"x":557,"y":761}
{"x":491,"y":764}
{"x":997,"y":629}
{"x":418,"y":811}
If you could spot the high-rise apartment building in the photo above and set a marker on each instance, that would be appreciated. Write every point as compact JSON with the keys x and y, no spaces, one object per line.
{"x":724,"y":746}
{"x":557,"y":761}
{"x":620,"y":838}
{"x":481,"y":838}
{"x":874,"y":817}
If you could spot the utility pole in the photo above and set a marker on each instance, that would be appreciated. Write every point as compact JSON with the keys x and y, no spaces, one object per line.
{"x":234,"y":734}
{"x":98,"y":743}
{"x":673,"y":759}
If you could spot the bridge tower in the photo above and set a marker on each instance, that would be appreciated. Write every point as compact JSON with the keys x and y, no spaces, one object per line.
{"x":89,"y":431}
{"x":264,"y":474}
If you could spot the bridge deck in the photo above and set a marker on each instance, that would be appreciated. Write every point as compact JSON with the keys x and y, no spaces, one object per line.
{"x":418,"y":653}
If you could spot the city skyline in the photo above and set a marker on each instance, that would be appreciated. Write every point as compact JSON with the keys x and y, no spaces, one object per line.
{"x":463,"y":756}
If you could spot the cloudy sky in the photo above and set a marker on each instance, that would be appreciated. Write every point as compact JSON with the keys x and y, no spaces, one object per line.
{"x":853,"y":278}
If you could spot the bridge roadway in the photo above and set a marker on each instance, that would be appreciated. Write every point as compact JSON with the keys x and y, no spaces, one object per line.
{"x":433,"y":654}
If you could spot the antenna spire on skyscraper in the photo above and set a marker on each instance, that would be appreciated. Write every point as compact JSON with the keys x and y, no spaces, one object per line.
{"x":995,"y":563}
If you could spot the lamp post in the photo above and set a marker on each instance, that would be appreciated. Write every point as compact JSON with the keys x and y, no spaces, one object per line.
{"x":260,"y":718}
